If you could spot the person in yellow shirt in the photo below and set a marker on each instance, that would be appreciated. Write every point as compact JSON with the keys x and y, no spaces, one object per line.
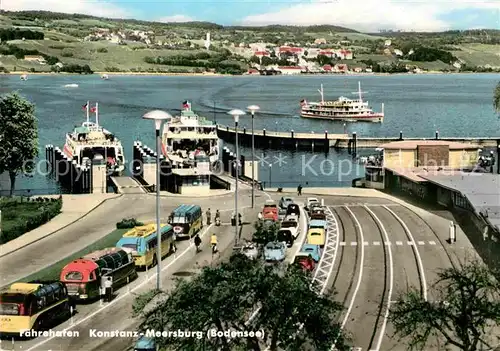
{"x":213,"y":241}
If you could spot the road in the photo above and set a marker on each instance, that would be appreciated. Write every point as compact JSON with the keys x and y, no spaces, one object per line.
{"x":384,"y":248}
{"x":97,"y":224}
{"x":367,"y":273}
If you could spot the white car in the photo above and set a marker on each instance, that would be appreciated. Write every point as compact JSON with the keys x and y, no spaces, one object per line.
{"x":310,"y":201}
{"x":292,"y":225}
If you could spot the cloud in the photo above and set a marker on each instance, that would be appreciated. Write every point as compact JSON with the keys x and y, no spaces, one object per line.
{"x":371,"y":15}
{"x":176,"y":18}
{"x":89,"y":7}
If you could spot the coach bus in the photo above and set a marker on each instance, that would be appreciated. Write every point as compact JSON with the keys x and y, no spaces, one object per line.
{"x":33,"y":306}
{"x":141,"y":243}
{"x":83,"y":276}
{"x":186,"y":220}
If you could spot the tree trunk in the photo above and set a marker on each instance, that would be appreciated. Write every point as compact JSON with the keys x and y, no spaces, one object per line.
{"x":12,"y":176}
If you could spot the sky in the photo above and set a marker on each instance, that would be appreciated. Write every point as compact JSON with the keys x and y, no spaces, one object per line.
{"x":361,"y":15}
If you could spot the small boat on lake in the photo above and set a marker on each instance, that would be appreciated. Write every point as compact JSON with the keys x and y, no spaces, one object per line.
{"x":71,"y":85}
{"x":24,"y":77}
{"x":105,"y":77}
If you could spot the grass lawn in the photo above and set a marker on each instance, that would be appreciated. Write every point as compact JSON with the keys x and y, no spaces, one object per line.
{"x":52,"y":272}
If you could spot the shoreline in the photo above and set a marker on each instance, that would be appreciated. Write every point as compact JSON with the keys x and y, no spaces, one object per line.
{"x":354,"y":74}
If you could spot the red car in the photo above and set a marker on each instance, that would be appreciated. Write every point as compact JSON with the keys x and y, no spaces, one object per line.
{"x":305,"y":261}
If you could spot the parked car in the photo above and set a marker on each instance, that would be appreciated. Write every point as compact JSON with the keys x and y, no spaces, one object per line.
{"x":291,"y":225}
{"x":250,"y":250}
{"x":287,"y":235}
{"x":291,"y":217}
{"x":285,"y":201}
{"x":274,"y":251}
{"x":305,"y":261}
{"x":293,"y":209}
{"x":313,"y":250}
{"x":316,"y":237}
{"x":317,"y":224}
{"x":310,"y":201}
{"x":270,"y":211}
{"x":317,"y":213}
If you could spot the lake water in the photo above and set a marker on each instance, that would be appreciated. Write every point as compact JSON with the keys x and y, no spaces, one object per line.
{"x":418,"y":105}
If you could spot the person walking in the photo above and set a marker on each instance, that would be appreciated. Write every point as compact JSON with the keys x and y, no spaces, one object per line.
{"x":209,"y":216}
{"x":108,"y":288}
{"x":197,"y":242}
{"x":299,"y":190}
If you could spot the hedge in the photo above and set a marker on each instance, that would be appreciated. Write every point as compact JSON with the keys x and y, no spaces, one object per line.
{"x":128,"y":223}
{"x":20,"y":215}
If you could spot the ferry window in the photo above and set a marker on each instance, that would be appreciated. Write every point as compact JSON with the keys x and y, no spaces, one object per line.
{"x":74,"y":276}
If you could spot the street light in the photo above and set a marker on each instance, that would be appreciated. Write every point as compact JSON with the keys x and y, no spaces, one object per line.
{"x":270,"y":173}
{"x":253,"y":109}
{"x":158,"y":117}
{"x":236,"y":115}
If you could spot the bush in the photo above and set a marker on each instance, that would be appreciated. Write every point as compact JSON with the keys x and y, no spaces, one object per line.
{"x":102,"y":50}
{"x":128,"y":223}
{"x":21,"y":215}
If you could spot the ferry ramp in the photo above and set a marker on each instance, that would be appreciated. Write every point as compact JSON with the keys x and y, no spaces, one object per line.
{"x":127,"y":185}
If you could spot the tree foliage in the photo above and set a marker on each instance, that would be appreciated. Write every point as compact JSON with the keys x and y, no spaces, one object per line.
{"x":18,"y":136}
{"x":18,"y":34}
{"x":425,"y":54}
{"x":496,"y":98}
{"x":265,"y":232}
{"x":465,"y":313}
{"x":223,"y":298}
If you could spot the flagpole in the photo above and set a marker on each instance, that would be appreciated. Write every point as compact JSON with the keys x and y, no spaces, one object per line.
{"x":97,"y":114}
{"x":88,"y":112}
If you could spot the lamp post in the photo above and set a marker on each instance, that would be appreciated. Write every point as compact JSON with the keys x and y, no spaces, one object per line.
{"x":158,"y":117}
{"x":270,"y":173}
{"x":253,"y":109}
{"x":236,"y":115}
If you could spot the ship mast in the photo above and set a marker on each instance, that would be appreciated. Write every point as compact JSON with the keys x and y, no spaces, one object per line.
{"x":322,"y":95}
{"x":359,"y":92}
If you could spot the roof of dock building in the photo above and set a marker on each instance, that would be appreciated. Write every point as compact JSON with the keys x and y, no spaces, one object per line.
{"x":413,"y":145}
{"x":482,"y":190}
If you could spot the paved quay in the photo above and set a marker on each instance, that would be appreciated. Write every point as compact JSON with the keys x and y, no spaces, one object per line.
{"x":118,"y":314}
{"x":74,"y":208}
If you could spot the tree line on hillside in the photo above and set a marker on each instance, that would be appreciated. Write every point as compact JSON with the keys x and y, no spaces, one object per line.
{"x":20,"y":53}
{"x":19,"y":34}
{"x":201,"y":59}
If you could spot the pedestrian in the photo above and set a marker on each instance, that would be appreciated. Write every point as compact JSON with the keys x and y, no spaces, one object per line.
{"x":209,"y":216}
{"x":108,"y":288}
{"x":197,"y":242}
{"x":452,"y":233}
{"x":299,"y":190}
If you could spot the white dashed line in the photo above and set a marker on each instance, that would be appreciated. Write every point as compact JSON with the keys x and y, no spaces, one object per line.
{"x":432,"y":242}
{"x":399,"y":243}
{"x":376,"y":243}
{"x":342,"y":243}
{"x":411,"y":243}
{"x":354,"y":243}
{"x":421,"y":242}
{"x":366,"y":243}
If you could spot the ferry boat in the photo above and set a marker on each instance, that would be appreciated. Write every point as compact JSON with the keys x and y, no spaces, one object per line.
{"x":190,"y":139}
{"x":91,"y":141}
{"x":343,"y":109}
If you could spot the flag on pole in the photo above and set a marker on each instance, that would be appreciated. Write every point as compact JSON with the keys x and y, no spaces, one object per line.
{"x":93,"y":109}
{"x":185,"y":104}
{"x":84,"y":107}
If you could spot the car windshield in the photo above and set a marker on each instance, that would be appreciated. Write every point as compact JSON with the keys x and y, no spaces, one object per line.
{"x":288,"y":224}
{"x":314,"y":234}
{"x":316,"y":226}
{"x":73,"y":276}
{"x":274,"y":246}
{"x":179,"y":220}
{"x":308,"y":249}
{"x":133,"y":247}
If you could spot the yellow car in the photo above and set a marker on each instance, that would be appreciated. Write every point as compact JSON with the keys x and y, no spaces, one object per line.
{"x":316,"y":236}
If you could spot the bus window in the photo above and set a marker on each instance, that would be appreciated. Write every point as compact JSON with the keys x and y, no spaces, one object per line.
{"x":74,"y":276}
{"x":9,"y":309}
{"x":92,"y":275}
{"x":133,"y":247}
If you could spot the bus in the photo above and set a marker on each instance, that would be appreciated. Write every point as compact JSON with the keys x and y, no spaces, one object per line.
{"x":33,"y":306}
{"x":83,"y":277}
{"x":186,"y":220}
{"x":141,"y":243}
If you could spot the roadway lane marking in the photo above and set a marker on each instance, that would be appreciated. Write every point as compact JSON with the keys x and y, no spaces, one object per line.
{"x":399,"y":243}
{"x":387,"y":243}
{"x":420,"y":264}
{"x":432,"y":242}
{"x":421,"y":242}
{"x":391,"y":279}
{"x":411,"y":242}
{"x":366,"y":243}
{"x":354,"y":243}
{"x":342,"y":243}
{"x":376,"y":243}
{"x":126,"y":294}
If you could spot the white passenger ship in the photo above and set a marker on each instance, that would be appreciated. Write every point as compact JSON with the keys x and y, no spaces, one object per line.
{"x":91,"y":141}
{"x":190,"y":139}
{"x":343,"y":109}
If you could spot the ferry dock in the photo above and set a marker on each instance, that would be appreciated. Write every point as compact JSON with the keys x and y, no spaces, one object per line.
{"x":326,"y":140}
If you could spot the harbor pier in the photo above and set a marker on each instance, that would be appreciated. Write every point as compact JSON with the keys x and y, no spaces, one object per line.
{"x":324,"y":141}
{"x":73,"y":177}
